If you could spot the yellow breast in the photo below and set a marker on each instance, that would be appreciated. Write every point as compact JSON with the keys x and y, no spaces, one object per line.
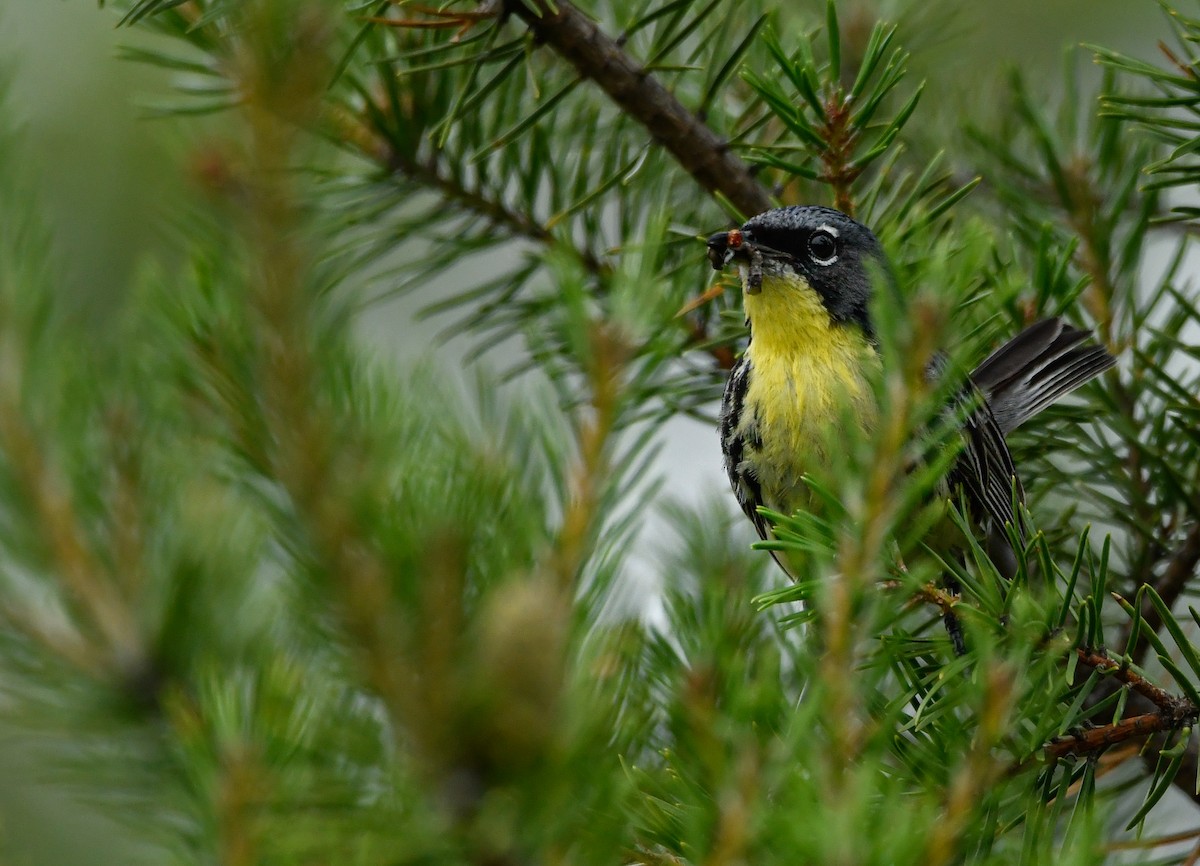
{"x":810,"y":380}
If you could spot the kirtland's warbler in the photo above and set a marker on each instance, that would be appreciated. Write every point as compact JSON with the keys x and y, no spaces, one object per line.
{"x":806,"y":281}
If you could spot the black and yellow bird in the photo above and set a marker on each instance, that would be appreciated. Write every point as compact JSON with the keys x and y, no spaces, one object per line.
{"x":807,"y":275}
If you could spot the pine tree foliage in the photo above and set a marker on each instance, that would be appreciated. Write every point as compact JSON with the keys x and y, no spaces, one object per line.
{"x":267,"y":599}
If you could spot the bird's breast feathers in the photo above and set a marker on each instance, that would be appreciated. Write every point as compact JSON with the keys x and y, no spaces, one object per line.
{"x":809,"y":380}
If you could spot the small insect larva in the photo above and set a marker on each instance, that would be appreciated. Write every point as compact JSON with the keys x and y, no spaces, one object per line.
{"x":754,"y":276}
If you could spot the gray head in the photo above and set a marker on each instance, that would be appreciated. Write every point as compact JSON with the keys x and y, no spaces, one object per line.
{"x":828,"y":249}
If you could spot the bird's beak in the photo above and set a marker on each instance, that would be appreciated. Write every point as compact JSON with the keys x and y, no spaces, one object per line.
{"x":723,"y":247}
{"x":719,"y":250}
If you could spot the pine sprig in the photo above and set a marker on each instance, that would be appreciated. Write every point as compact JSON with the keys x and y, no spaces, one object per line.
{"x":838,"y":138}
{"x":1169,"y":115}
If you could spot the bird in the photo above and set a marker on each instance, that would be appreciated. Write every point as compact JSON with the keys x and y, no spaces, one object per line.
{"x":807,"y":275}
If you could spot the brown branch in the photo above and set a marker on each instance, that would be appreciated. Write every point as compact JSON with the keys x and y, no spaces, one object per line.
{"x":1145,"y":698}
{"x":354,"y":131}
{"x":595,"y":55}
{"x":1102,"y":662}
{"x":1169,"y":713}
{"x":518,"y":224}
{"x":698,"y":150}
{"x":583,"y":514}
{"x":1093,"y":739}
{"x":1183,"y":68}
{"x":102,"y":637}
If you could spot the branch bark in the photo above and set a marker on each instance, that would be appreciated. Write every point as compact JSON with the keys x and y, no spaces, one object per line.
{"x":1094,"y":739}
{"x":1157,"y":711}
{"x":597,"y":56}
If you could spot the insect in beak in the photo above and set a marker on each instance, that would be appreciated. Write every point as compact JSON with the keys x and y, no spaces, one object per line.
{"x":723,"y":247}
{"x":754,"y":271}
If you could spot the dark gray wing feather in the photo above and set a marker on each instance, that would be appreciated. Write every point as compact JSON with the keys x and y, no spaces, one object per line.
{"x":1041,"y":364}
{"x":1037,"y":367}
{"x":984,"y":468}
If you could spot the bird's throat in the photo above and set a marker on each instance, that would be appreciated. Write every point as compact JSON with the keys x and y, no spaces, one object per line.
{"x":788,"y":319}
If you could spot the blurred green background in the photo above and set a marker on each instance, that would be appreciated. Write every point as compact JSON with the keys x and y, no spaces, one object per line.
{"x":106,"y":175}
{"x":109,"y":179}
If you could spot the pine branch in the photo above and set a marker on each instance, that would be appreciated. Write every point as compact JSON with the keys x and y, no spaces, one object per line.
{"x":1087,"y":741}
{"x":661,"y":744}
{"x":1158,"y":709}
{"x":597,"y":56}
{"x":1169,"y":713}
{"x":516,"y":224}
{"x":1159,"y":712}
{"x":1161,"y":698}
{"x":356,"y":132}
{"x":106,"y":641}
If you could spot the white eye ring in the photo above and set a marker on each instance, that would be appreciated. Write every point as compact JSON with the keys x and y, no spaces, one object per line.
{"x":823,"y":231}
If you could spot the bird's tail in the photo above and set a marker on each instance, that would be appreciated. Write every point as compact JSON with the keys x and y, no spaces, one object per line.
{"x":1035,"y":368}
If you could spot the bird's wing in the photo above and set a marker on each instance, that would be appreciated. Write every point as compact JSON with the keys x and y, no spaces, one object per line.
{"x":984,"y":468}
{"x":1021,"y":378}
{"x":1035,"y":368}
{"x":745,"y":485}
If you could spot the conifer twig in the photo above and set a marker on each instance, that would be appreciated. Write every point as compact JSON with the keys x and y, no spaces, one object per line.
{"x":107,"y":638}
{"x":1170,"y":712}
{"x":356,"y":132}
{"x":594,"y":432}
{"x":597,"y":56}
{"x":1088,"y":740}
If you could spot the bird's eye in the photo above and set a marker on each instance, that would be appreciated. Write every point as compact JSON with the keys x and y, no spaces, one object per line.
{"x":822,"y":247}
